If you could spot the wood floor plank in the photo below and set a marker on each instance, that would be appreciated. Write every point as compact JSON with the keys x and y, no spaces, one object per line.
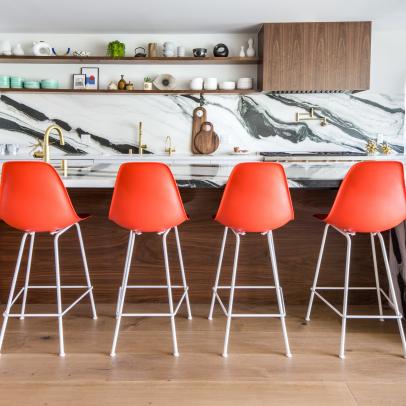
{"x":384,"y":394}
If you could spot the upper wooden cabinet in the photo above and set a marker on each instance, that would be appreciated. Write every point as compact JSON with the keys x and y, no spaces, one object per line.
{"x":314,"y":56}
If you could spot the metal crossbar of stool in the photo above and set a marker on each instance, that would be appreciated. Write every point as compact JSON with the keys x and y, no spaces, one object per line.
{"x":346,"y":289}
{"x":24,"y":291}
{"x":173,"y":311}
{"x":228,"y":312}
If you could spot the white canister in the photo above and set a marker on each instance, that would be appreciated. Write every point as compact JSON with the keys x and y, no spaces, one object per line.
{"x":181,"y":52}
{"x":196,"y":84}
{"x":210,"y":83}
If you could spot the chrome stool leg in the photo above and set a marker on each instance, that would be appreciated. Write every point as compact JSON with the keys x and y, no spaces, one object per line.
{"x":84,"y":259}
{"x":316,"y":275}
{"x":216,"y":283}
{"x":279,"y":296}
{"x":12,"y":289}
{"x":170,"y":300}
{"x":182,"y":271}
{"x":231,"y":300}
{"x":27,"y":276}
{"x":393,"y":293}
{"x":59,"y":295}
{"x":345,"y":302}
{"x":378,"y":287}
{"x":126,"y":272}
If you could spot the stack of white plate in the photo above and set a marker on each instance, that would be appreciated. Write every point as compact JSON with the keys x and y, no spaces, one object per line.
{"x":244,"y":83}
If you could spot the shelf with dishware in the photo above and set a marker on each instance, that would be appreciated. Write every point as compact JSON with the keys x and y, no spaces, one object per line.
{"x":229,"y":60}
{"x":135,"y":91}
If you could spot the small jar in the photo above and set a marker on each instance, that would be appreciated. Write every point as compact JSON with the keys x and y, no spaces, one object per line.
{"x":129,"y":86}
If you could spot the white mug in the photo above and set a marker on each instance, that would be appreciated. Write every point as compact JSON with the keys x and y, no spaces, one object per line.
{"x":210,"y":83}
{"x":13,"y":148}
{"x":2,"y":149}
{"x":196,"y":84}
{"x":181,"y":51}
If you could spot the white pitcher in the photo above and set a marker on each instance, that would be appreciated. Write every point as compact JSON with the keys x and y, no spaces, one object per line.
{"x":41,"y":48}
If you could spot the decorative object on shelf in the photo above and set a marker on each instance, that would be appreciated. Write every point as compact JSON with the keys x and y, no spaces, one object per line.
{"x":140,"y":52}
{"x":92,"y":77}
{"x":63,"y":54}
{"x":81,"y":53}
{"x":206,"y":140}
{"x":181,"y":52}
{"x":165,"y":82}
{"x":239,"y":151}
{"x":116,"y":49}
{"x":244,"y":83}
{"x":168,"y":146}
{"x":79,"y":81}
{"x":112,"y":86}
{"x":227,"y":85}
{"x":311,"y":116}
{"x":169,"y":49}
{"x":386,"y":149}
{"x":4,"y":81}
{"x":148,"y":83}
{"x":220,"y":50}
{"x":250,"y":49}
{"x":372,"y":147}
{"x":196,"y":84}
{"x":199,"y":52}
{"x":152,"y":50}
{"x":199,"y":117}
{"x":16,"y":82}
{"x":210,"y":83}
{"x":41,"y":48}
{"x":5,"y":48}
{"x":13,"y":149}
{"x":121,"y":83}
{"x":18,"y":50}
{"x":242,"y":52}
{"x":31,"y":84}
{"x":129,"y":86}
{"x":49,"y":84}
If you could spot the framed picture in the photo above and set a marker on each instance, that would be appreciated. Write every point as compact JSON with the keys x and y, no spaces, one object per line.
{"x":92,"y":77}
{"x":79,"y":81}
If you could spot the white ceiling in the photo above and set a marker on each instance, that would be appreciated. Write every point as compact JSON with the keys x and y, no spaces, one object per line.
{"x":181,"y":16}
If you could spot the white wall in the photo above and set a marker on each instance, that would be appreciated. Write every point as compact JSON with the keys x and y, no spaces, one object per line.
{"x":97,"y":43}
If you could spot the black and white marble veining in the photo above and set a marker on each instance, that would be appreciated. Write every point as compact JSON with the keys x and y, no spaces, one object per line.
{"x":103,"y":124}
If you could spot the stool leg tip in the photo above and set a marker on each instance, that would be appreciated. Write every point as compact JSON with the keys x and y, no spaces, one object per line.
{"x":22,"y":318}
{"x":341,"y":356}
{"x":210,"y":318}
{"x":225,"y":355}
{"x":289,"y":355}
{"x":62,"y":354}
{"x":190,"y":318}
{"x":94,"y":317}
{"x":176,"y":354}
{"x":112,"y":354}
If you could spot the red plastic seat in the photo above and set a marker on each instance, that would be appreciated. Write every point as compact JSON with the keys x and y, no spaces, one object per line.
{"x":256,"y":198}
{"x":34,"y":199}
{"x":371,"y":198}
{"x":146,"y":198}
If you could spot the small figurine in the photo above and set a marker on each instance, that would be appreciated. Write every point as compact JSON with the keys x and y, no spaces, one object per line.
{"x":371,"y":147}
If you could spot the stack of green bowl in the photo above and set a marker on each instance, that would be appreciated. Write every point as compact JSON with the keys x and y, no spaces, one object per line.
{"x":4,"y":81}
{"x":31,"y":84}
{"x":16,"y":82}
{"x":49,"y":84}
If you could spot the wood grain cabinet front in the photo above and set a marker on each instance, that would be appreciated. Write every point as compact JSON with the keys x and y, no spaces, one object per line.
{"x":314,"y":56}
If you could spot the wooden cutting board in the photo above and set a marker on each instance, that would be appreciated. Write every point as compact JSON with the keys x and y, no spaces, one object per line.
{"x":199,"y":117}
{"x":206,"y":140}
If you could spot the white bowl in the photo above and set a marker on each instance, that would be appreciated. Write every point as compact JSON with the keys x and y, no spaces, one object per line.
{"x":244,"y":83}
{"x":227,"y":85}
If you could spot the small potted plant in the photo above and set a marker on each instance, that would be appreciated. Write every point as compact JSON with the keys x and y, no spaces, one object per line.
{"x":147,"y":83}
{"x":116,"y":49}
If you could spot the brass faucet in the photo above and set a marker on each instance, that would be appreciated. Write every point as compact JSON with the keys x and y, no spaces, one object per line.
{"x":141,"y":146}
{"x":310,"y":116}
{"x":45,"y":152}
{"x":169,"y":149}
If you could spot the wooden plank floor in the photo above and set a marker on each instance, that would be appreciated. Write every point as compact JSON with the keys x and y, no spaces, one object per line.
{"x":256,"y":372}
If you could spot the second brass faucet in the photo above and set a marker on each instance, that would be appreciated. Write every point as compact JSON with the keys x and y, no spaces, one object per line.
{"x":141,"y":146}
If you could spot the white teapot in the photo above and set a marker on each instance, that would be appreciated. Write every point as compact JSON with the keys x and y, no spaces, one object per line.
{"x":41,"y":48}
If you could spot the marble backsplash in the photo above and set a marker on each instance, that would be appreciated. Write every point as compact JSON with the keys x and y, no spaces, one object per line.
{"x":100,"y":124}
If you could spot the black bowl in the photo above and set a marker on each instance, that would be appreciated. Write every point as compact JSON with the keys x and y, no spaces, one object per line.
{"x":199,"y":52}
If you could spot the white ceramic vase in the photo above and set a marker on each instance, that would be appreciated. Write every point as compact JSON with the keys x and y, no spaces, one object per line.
{"x":5,"y":47}
{"x":242,"y":52}
{"x":41,"y":49}
{"x":18,"y":50}
{"x":250,"y":49}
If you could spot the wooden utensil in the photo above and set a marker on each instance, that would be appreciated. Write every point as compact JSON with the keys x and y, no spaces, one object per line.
{"x":206,"y":140}
{"x":199,"y":117}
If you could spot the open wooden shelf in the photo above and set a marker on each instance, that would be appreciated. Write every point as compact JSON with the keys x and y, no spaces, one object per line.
{"x":232,"y":60}
{"x":136,"y":91}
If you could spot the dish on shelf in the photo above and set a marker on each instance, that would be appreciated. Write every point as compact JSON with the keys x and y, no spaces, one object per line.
{"x":49,"y":84}
{"x":244,"y":83}
{"x":31,"y":84}
{"x":227,"y":85}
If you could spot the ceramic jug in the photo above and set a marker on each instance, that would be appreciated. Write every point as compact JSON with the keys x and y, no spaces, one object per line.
{"x":41,"y":48}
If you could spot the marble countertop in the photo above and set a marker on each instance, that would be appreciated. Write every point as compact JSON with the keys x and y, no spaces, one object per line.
{"x":212,"y":171}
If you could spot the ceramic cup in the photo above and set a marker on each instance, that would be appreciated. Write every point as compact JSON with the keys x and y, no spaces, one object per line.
{"x":196,"y":84}
{"x":2,"y":149}
{"x":181,"y":52}
{"x":210,"y":83}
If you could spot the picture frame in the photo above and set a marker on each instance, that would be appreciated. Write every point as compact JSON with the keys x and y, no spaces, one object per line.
{"x":79,"y":81}
{"x":91,"y":77}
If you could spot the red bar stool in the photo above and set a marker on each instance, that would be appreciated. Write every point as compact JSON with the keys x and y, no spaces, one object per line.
{"x":146,"y":199}
{"x":371,"y":199}
{"x":256,"y":200}
{"x":33,"y":199}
